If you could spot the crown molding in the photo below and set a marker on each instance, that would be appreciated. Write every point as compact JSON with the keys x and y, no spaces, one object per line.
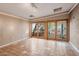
{"x":72,"y":8}
{"x":52,"y":15}
{"x":11,"y":15}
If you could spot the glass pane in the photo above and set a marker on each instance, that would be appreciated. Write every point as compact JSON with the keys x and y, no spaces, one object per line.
{"x":41,"y":29}
{"x":51,"y":30}
{"x":61,"y":29}
{"x":33,"y":26}
{"x":34,"y":29}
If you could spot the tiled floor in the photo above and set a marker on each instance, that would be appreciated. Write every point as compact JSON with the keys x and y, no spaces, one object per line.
{"x":38,"y":47}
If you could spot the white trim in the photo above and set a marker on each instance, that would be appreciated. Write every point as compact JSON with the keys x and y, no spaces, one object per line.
{"x":74,"y":47}
{"x":12,"y":43}
{"x":72,"y":8}
{"x":49,"y":16}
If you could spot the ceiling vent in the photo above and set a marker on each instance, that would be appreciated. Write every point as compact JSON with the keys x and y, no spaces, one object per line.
{"x":57,"y":9}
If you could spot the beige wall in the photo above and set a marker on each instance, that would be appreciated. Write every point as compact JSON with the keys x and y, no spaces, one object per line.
{"x":74,"y":27}
{"x":12,"y":29}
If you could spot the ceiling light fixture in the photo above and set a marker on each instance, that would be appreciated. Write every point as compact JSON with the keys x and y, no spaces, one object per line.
{"x":31,"y":16}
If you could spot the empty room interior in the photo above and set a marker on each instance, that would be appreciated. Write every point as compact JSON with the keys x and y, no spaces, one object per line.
{"x":39,"y":29}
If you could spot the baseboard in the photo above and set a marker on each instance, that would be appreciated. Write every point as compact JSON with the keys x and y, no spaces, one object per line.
{"x":12,"y":42}
{"x":74,"y":46}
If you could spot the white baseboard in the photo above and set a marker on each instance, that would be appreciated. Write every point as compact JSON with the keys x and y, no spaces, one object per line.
{"x":12,"y":42}
{"x":74,"y":47}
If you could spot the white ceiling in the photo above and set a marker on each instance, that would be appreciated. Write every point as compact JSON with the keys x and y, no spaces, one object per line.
{"x":24,"y":10}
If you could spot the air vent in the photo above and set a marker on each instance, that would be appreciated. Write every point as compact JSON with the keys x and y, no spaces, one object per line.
{"x":57,"y":9}
{"x":31,"y":16}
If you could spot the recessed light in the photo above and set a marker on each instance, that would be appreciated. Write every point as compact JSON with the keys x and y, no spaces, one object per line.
{"x":31,"y":16}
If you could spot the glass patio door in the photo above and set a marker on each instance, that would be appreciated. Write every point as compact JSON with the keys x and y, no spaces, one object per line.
{"x":57,"y":30}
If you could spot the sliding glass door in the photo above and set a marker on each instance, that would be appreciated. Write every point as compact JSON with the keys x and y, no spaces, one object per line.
{"x":57,"y":30}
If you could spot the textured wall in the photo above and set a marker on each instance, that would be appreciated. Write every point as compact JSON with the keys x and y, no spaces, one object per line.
{"x":74,"y":27}
{"x":12,"y":29}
